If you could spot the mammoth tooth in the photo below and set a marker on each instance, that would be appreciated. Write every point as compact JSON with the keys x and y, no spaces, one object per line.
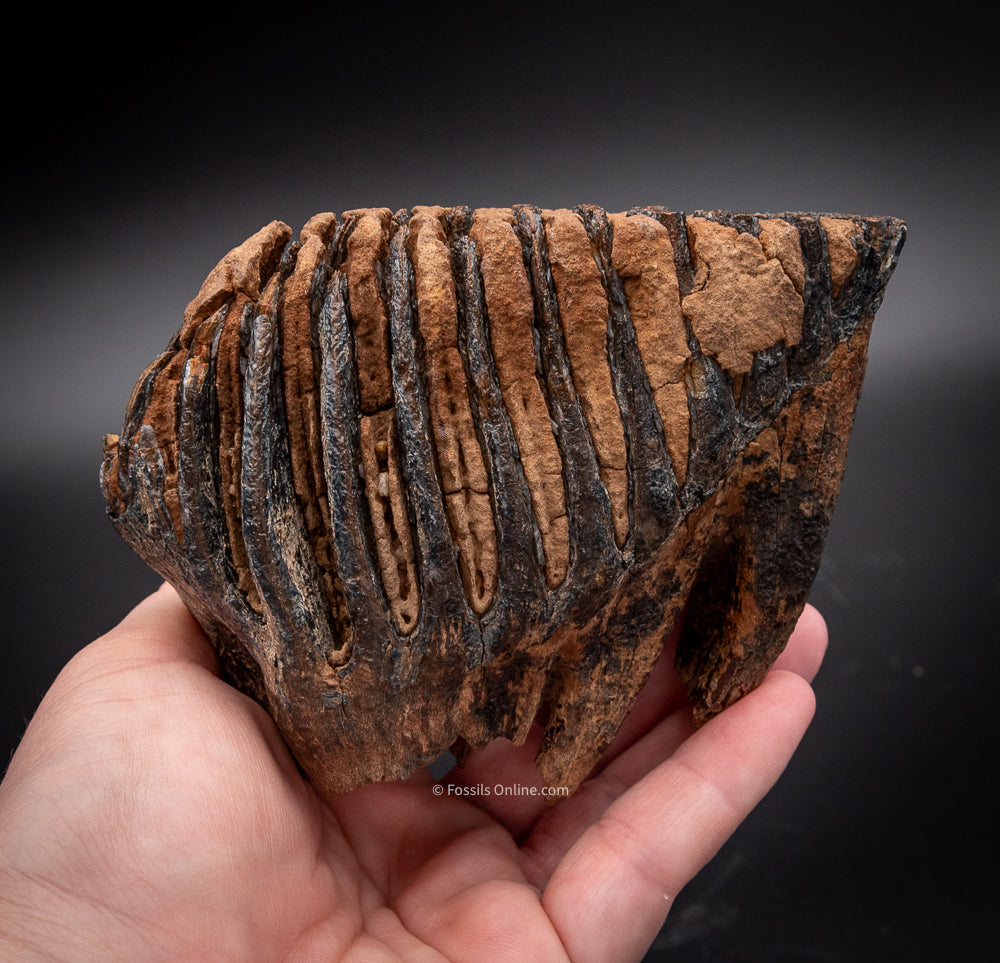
{"x":427,"y":477}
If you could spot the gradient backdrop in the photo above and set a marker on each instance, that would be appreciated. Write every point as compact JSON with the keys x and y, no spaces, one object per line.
{"x":137,"y":155}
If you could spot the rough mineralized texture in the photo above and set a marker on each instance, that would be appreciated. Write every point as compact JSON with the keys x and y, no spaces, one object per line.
{"x":426,"y":477}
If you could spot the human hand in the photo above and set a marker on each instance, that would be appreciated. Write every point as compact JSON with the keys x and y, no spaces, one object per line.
{"x":152,"y":812}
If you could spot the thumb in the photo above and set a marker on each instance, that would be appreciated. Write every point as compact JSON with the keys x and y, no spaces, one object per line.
{"x":159,"y":629}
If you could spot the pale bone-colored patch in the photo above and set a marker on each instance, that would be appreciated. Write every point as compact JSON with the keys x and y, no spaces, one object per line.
{"x":583,"y":309}
{"x":239,"y":272}
{"x":366,"y":246}
{"x":386,"y":492}
{"x":510,"y":308}
{"x":742,"y":301}
{"x":459,"y":458}
{"x":843,"y":256}
{"x":780,"y":240}
{"x":643,"y":256}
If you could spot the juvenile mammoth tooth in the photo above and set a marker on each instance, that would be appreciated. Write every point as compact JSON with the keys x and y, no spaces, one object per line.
{"x":427,"y":477}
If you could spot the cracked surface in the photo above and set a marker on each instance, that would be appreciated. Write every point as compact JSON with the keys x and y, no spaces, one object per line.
{"x":385,"y":491}
{"x":583,"y":311}
{"x":643,"y":256}
{"x":843,"y":256}
{"x":302,"y":401}
{"x":780,"y":240}
{"x":459,"y":458}
{"x":366,"y":249}
{"x":743,"y":301}
{"x":511,"y":312}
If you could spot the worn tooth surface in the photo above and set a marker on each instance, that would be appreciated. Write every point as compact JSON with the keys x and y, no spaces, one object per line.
{"x":428,"y":478}
{"x":453,"y":430}
{"x":511,"y":312}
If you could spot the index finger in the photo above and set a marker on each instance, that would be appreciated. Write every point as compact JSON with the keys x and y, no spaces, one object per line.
{"x":610,"y":894}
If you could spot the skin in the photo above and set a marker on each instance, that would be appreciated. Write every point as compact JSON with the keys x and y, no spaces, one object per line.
{"x":152,"y":812}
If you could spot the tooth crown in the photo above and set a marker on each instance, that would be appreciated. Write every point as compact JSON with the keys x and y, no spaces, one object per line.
{"x":427,"y":477}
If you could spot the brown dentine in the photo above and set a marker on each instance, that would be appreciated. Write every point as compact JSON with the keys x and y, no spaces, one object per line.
{"x":432,"y":477}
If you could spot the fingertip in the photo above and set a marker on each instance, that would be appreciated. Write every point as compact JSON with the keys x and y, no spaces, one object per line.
{"x":812,"y":624}
{"x":806,"y":648}
{"x":779,"y":710}
{"x":793,"y":699}
{"x":657,"y":836}
{"x":164,"y":603}
{"x":162,"y":627}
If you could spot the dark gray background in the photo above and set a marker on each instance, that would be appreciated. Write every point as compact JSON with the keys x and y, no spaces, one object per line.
{"x":135,"y":159}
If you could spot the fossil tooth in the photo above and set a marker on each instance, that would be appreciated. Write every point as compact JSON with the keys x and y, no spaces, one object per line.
{"x":425,"y":477}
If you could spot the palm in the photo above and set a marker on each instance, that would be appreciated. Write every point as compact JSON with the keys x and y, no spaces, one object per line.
{"x":169,"y":806}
